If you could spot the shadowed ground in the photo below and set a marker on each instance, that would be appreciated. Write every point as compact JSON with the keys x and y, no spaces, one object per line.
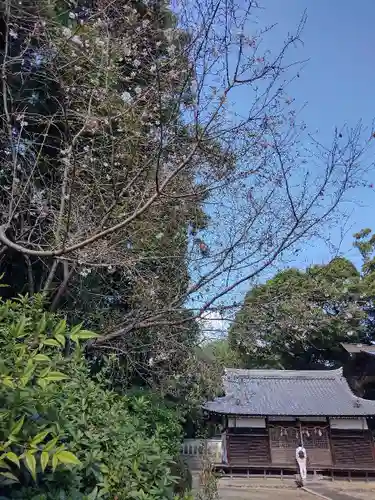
{"x":278,"y":489}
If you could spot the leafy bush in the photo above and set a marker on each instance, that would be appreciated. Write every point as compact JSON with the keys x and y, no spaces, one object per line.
{"x":64,"y":435}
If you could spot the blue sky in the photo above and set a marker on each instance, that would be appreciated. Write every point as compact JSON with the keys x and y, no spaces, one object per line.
{"x":337,"y":84}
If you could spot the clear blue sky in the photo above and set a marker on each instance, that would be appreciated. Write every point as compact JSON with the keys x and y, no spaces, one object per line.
{"x":338,"y":82}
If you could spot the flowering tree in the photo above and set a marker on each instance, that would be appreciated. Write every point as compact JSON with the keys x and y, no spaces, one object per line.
{"x":153,"y":161}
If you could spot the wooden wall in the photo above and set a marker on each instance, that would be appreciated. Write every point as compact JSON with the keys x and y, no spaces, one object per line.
{"x":248,"y":448}
{"x":276,"y":445}
{"x":351,"y":448}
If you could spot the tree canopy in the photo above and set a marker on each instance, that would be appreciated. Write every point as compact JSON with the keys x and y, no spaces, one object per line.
{"x":299,"y":318}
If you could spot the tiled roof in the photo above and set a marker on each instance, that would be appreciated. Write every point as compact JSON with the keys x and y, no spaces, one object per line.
{"x":357,"y":348}
{"x":289,"y":393}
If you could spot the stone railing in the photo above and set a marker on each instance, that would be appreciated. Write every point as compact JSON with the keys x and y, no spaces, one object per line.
{"x":194,"y":448}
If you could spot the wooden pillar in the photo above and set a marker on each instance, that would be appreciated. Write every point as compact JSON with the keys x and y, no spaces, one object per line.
{"x":330,"y":443}
{"x":269,"y":441}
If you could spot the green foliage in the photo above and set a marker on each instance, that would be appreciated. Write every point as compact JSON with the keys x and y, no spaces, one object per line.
{"x":298,"y":318}
{"x":63,"y":434}
{"x":221,"y":351}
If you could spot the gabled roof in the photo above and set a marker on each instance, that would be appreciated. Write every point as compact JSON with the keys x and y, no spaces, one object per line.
{"x":289,"y":393}
{"x":358,"y":348}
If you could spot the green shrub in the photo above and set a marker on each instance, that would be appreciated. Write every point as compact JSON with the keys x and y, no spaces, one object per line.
{"x":64,"y":435}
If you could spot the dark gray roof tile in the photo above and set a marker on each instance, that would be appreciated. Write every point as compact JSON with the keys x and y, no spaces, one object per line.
{"x":289,"y":393}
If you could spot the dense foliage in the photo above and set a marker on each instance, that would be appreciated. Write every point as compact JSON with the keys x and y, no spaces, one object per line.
{"x":221,"y":351}
{"x":64,"y":434}
{"x":299,"y":318}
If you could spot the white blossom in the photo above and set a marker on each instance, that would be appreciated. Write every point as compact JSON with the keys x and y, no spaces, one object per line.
{"x":13,"y":34}
{"x":67,"y":32}
{"x":85,"y":272}
{"x":126,"y":97}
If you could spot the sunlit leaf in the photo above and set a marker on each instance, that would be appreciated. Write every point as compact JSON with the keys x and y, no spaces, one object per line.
{"x":19,"y":329}
{"x":30,"y":463}
{"x":60,"y":339}
{"x":66,"y":457}
{"x":18,"y":426}
{"x":44,"y":457}
{"x":55,"y":462}
{"x":42,"y":324}
{"x":8,"y":382}
{"x":4,"y":310}
{"x":4,"y":465}
{"x":41,"y":357}
{"x":45,"y":371}
{"x":51,"y":342}
{"x":76,"y":329}
{"x":83,"y":335}
{"x":27,"y":374}
{"x":51,"y":444}
{"x":9,"y":475}
{"x":55,"y":377}
{"x":39,"y":438}
{"x":12,"y":457}
{"x":42,"y":382}
{"x":60,"y":328}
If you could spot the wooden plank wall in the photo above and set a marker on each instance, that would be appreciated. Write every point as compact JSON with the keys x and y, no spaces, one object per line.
{"x":248,"y":449}
{"x":277,"y":445}
{"x":352,"y":448}
{"x":338,"y":448}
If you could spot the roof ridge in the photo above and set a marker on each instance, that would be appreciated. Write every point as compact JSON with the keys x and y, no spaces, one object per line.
{"x":273,"y":373}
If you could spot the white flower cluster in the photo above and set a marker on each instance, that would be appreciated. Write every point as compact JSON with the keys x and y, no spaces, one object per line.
{"x":84,"y":272}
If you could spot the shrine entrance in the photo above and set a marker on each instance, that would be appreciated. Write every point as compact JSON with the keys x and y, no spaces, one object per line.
{"x":285,"y":437}
{"x":317,"y":443}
